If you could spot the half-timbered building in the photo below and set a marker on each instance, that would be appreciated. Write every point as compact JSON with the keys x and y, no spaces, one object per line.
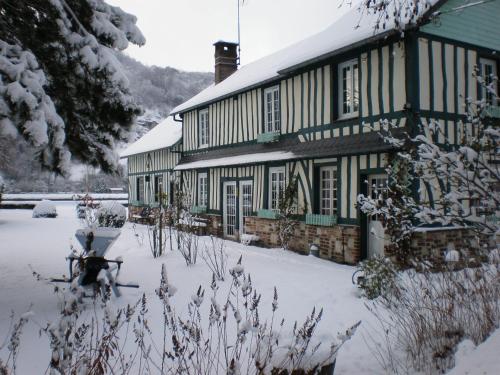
{"x":150,"y":164}
{"x":312,"y":110}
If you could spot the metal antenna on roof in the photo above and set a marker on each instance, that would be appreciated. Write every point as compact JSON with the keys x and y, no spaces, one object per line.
{"x":239,"y":39}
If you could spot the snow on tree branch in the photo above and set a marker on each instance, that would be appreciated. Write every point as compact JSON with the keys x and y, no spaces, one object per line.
{"x":61,"y":87}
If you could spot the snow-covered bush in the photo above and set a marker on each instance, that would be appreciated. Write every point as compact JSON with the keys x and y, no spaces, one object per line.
{"x":111,"y":214}
{"x":44,"y":208}
{"x":378,"y":277}
{"x":427,"y":314}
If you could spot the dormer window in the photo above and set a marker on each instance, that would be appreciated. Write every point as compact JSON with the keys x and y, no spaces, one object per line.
{"x":272,"y":109}
{"x":203,"y":132}
{"x":348,"y":89}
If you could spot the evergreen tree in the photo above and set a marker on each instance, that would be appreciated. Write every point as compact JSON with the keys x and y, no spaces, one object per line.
{"x":61,"y":87}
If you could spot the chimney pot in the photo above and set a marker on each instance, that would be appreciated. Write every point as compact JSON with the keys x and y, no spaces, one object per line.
{"x":226,"y":60}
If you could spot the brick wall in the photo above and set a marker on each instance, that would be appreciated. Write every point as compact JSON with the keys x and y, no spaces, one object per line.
{"x":433,"y":243}
{"x":340,"y":243}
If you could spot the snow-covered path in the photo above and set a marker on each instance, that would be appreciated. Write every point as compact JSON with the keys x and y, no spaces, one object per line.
{"x":302,"y":282}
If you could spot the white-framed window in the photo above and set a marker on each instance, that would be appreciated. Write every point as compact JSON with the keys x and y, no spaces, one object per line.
{"x":272,"y":109}
{"x":348,"y":89}
{"x":202,"y":189}
{"x":276,"y":186}
{"x":203,"y":131}
{"x":328,"y":190}
{"x":488,"y":70}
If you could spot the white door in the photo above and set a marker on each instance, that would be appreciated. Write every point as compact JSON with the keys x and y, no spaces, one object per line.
{"x":246,"y":198}
{"x":229,"y":208}
{"x":377,"y":187}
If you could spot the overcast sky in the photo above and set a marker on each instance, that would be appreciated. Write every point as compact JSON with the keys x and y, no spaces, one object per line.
{"x":180,"y":33}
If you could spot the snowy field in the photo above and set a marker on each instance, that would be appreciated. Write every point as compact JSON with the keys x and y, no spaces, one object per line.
{"x":302,"y":282}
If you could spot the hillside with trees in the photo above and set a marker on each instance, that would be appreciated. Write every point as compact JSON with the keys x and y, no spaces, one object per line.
{"x":156,"y":91}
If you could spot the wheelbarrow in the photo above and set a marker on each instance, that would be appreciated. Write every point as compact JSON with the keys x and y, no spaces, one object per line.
{"x":92,"y":268}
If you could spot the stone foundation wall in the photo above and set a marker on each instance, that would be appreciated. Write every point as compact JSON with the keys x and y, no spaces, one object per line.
{"x":340,"y":243}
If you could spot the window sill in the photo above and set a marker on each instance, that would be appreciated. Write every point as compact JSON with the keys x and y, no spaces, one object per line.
{"x":268,"y":137}
{"x":493,"y":111}
{"x":348,"y":116}
{"x":267,"y":214}
{"x":198,"y":209}
{"x":321,"y":220}
{"x":200,"y":147}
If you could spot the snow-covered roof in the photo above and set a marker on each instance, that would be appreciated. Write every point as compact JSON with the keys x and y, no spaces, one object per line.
{"x":345,"y":32}
{"x":166,"y":134}
{"x":238,"y":160}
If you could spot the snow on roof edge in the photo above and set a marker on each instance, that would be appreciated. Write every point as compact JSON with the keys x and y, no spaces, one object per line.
{"x":239,"y":160}
{"x":318,"y":46}
{"x":166,"y":134}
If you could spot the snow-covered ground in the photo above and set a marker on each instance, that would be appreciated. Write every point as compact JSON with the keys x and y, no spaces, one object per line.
{"x":61,"y":196}
{"x":302,"y":282}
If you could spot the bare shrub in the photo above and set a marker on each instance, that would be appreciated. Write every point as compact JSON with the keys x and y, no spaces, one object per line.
{"x":187,"y":238}
{"x":215,"y":257}
{"x":235,"y":340}
{"x":426,"y":315}
{"x":227,"y":337}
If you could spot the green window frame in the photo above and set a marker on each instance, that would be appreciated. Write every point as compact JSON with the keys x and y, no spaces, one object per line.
{"x":348,"y":89}
{"x":202,"y":189}
{"x":277,"y":180}
{"x":272,"y":119}
{"x":203,"y":128}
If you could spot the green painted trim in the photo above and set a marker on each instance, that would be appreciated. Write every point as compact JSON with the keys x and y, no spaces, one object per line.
{"x":292,"y":125}
{"x":375,"y":170}
{"x":237,"y":122}
{"x":199,"y":209}
{"x":254,"y":125}
{"x":429,"y":192}
{"x":369,"y":81}
{"x":455,"y":84}
{"x":466,"y":73}
{"x":302,"y":100}
{"x":340,"y":184}
{"x":321,"y":220}
{"x":287,"y":128}
{"x":309,"y":92}
{"x":391,"y":77}
{"x":380,"y":80}
{"x":349,"y":177}
{"x":267,"y":214}
{"x":268,"y":137}
{"x":431,"y":75}
{"x":315,"y":115}
{"x":334,"y":89}
{"x":363,"y":218}
{"x":347,"y":221}
{"x":305,"y":166}
{"x":458,"y":43}
{"x":444,"y":65}
{"x":150,"y":172}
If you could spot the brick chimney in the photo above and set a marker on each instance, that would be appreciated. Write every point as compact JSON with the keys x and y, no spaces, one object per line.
{"x":226,"y":60}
